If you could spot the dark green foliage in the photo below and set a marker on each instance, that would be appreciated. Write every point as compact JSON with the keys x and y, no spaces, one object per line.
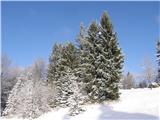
{"x":143,"y":84}
{"x":87,"y":56}
{"x":54,"y":60}
{"x":158,"y":61}
{"x":63,"y":61}
{"x":97,"y":63}
{"x":101,"y":60}
{"x":112,"y":58}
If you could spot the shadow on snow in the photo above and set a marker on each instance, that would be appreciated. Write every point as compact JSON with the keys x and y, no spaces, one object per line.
{"x":108,"y":114}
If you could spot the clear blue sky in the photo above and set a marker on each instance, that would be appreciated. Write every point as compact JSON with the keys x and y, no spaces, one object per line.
{"x":29,"y":29}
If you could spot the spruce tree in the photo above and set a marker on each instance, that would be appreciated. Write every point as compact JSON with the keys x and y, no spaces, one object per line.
{"x":88,"y":55}
{"x":158,"y":61}
{"x":76,"y":99}
{"x":67,"y":66}
{"x":101,"y":60}
{"x":20,"y":98}
{"x":62,"y":59}
{"x":53,"y":73}
{"x":29,"y":97}
{"x":111,"y":59}
{"x":70,"y":94}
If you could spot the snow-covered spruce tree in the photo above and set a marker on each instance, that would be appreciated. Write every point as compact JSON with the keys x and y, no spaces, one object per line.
{"x":67,"y":64}
{"x":19,"y":100}
{"x":158,"y":61}
{"x":101,"y":60}
{"x":70,"y":94}
{"x":54,"y":60}
{"x":53,"y":72}
{"x":76,"y":99}
{"x":88,"y":53}
{"x":8,"y":79}
{"x":29,"y":97}
{"x":110,"y":61}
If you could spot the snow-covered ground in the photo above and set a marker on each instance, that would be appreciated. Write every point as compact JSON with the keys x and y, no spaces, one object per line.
{"x":134,"y":104}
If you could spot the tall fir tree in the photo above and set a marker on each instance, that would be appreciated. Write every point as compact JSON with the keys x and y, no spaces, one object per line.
{"x":54,"y":60}
{"x":88,"y":55}
{"x":101,"y":60}
{"x":158,"y":61}
{"x":53,"y":73}
{"x":66,"y":67}
{"x":112,"y":58}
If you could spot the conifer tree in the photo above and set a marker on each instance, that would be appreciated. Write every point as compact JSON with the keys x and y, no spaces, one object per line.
{"x":29,"y":97}
{"x":70,"y":94}
{"x":53,"y":73}
{"x":54,"y":60}
{"x":66,"y":67}
{"x":158,"y":61}
{"x":19,"y":101}
{"x":111,"y":55}
{"x":76,"y":99}
{"x":101,"y":60}
{"x":88,"y":55}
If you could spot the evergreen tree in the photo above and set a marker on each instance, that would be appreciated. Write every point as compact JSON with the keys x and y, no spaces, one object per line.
{"x":143,"y":84}
{"x":110,"y":60}
{"x":29,"y":97}
{"x":101,"y":60}
{"x":8,"y":79}
{"x":88,"y":55}
{"x":67,"y":64}
{"x":70,"y":94}
{"x":54,"y":60}
{"x":158,"y":61}
{"x":62,"y":59}
{"x":76,"y":99}
{"x":20,"y":99}
{"x":53,"y":73}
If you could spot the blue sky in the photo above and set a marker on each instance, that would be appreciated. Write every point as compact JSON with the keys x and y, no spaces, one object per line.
{"x":29,"y":29}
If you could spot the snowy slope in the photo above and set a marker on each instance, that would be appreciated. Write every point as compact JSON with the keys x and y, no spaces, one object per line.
{"x":134,"y":104}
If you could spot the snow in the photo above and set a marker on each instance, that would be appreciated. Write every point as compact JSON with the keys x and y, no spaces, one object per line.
{"x":134,"y":104}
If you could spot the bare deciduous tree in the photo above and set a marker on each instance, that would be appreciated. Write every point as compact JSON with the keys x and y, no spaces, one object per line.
{"x":148,"y":70}
{"x":39,"y":69}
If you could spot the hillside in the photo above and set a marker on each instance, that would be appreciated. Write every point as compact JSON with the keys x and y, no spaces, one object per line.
{"x":134,"y":104}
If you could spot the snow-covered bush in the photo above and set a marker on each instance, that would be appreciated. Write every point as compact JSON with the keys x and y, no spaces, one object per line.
{"x":153,"y":85}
